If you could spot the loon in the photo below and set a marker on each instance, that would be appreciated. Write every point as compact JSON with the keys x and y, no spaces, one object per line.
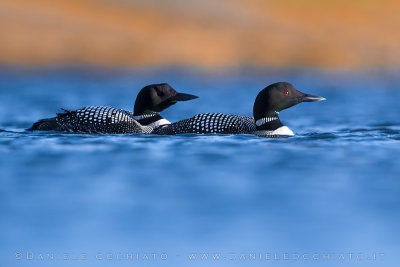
{"x":150,"y":101}
{"x":266,"y":123}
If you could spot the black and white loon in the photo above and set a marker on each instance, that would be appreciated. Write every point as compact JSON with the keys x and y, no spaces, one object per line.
{"x":269,"y":102}
{"x":150,"y":101}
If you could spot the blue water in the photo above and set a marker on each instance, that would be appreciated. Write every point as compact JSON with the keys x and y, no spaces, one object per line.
{"x":333,"y":189}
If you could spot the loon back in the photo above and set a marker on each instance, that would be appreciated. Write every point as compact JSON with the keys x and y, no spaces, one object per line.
{"x":218,"y":123}
{"x":207,"y":123}
{"x":98,"y":119}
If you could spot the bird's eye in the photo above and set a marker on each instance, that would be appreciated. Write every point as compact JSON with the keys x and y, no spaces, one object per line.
{"x":286,"y":92}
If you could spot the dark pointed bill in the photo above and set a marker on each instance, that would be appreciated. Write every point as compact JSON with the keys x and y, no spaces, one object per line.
{"x":182,"y":97}
{"x":311,"y":98}
{"x":172,"y":100}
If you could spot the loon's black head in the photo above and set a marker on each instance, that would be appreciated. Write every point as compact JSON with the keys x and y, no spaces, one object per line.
{"x":279,"y":96}
{"x":154,"y":98}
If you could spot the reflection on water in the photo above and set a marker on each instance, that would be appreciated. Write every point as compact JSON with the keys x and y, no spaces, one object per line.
{"x":333,"y":189}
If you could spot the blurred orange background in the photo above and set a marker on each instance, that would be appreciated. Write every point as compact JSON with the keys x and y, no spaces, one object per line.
{"x":208,"y":34}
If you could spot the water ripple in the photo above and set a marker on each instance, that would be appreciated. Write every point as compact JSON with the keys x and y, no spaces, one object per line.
{"x":326,"y":187}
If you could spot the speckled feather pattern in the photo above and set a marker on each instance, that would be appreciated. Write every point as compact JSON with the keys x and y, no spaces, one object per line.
{"x":210,"y":123}
{"x":99,"y":119}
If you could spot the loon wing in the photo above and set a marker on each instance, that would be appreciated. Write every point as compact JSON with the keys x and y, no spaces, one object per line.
{"x":98,"y":119}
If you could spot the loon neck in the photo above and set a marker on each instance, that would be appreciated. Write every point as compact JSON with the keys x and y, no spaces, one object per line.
{"x":268,"y":123}
{"x":153,"y":120}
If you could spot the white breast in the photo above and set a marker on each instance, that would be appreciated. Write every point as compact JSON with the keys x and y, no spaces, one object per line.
{"x":284,"y":130}
{"x":159,"y":123}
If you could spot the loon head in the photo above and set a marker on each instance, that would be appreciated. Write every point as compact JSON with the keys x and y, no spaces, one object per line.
{"x":154,"y":98}
{"x":275,"y":98}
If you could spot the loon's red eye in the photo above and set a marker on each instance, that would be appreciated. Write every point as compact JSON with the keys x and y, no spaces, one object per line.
{"x":286,"y":92}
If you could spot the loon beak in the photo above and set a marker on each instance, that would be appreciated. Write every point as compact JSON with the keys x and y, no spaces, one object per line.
{"x":311,"y":98}
{"x":182,"y":97}
{"x":172,"y":100}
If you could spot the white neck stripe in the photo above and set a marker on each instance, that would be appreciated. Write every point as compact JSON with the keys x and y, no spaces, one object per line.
{"x":144,"y":116}
{"x":264,"y":120}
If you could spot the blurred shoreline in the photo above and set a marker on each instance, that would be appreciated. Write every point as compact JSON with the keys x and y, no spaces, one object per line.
{"x":246,"y":70}
{"x":332,"y":34}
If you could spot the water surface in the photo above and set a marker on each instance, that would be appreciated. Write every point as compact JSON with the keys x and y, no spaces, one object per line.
{"x":333,"y":189}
